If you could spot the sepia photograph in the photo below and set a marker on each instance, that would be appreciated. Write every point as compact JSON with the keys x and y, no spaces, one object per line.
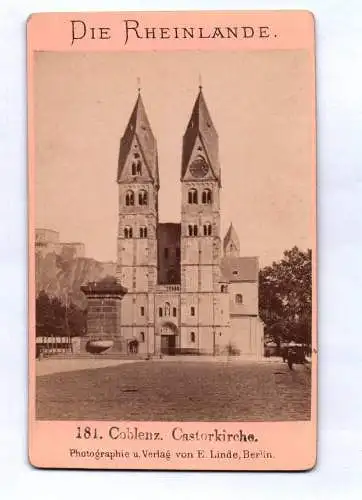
{"x":174,"y":235}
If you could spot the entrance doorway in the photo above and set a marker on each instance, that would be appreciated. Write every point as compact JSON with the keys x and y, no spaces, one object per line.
{"x":168,"y":344}
{"x":169,"y":338}
{"x":133,"y":347}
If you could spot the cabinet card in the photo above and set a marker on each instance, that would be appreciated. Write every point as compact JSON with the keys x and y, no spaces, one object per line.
{"x":172,"y":240}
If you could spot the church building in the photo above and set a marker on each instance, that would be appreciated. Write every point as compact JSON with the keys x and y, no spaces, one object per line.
{"x":180,"y":288}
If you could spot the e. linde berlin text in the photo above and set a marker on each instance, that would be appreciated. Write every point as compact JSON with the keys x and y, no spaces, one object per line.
{"x":166,"y":454}
{"x":132,"y":29}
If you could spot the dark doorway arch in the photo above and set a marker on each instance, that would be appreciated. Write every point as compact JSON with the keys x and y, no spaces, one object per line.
{"x":133,"y":346}
{"x":169,"y":338}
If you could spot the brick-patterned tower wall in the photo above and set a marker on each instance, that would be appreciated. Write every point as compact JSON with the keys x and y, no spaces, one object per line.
{"x":200,"y":231}
{"x":201,"y":254}
{"x":137,"y":228}
{"x":137,"y":253}
{"x":104,"y":312}
{"x":102,"y":317}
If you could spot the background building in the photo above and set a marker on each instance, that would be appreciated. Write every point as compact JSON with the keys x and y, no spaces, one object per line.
{"x":48,"y":241}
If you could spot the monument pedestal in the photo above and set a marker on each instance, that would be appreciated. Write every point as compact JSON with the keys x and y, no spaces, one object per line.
{"x":103,"y":317}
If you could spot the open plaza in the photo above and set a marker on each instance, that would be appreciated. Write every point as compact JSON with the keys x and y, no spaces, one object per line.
{"x":170,"y":389}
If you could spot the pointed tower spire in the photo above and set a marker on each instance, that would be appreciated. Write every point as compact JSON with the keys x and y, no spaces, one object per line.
{"x":139,"y":130}
{"x":201,"y":127}
{"x":231,"y":243}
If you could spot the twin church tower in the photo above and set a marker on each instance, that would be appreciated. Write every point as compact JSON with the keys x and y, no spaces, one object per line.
{"x":187,"y":292}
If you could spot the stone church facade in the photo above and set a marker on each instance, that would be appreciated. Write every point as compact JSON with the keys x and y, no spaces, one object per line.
{"x":180,"y":288}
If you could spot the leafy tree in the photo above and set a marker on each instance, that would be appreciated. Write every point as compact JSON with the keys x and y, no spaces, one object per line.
{"x":43,"y":314}
{"x":285,"y":297}
{"x":77,"y":321}
{"x":58,"y":317}
{"x":54,"y":319}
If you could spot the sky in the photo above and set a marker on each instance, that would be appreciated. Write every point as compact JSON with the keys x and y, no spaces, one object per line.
{"x":260,"y":104}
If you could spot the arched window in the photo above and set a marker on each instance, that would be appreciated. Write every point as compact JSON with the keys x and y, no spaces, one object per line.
{"x":128,"y":232}
{"x":192,"y":230}
{"x":167,"y":309}
{"x":238,"y":298}
{"x":207,"y":229}
{"x":143,"y":232}
{"x":192,"y":337}
{"x":136,"y":165}
{"x":129,"y":198}
{"x":224,"y":289}
{"x":139,"y":167}
{"x":142,"y":337}
{"x":142,"y":197}
{"x":206,"y":196}
{"x":192,"y":197}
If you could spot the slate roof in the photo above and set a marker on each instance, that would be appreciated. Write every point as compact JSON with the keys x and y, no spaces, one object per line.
{"x":139,"y":126}
{"x":239,"y":268}
{"x":200,"y":125}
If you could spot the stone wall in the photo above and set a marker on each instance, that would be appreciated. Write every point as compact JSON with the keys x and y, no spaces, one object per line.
{"x":103,"y":315}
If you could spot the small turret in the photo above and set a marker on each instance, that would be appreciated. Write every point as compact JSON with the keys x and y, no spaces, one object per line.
{"x":231,"y":243}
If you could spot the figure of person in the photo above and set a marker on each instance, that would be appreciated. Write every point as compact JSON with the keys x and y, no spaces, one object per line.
{"x":291,"y":354}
